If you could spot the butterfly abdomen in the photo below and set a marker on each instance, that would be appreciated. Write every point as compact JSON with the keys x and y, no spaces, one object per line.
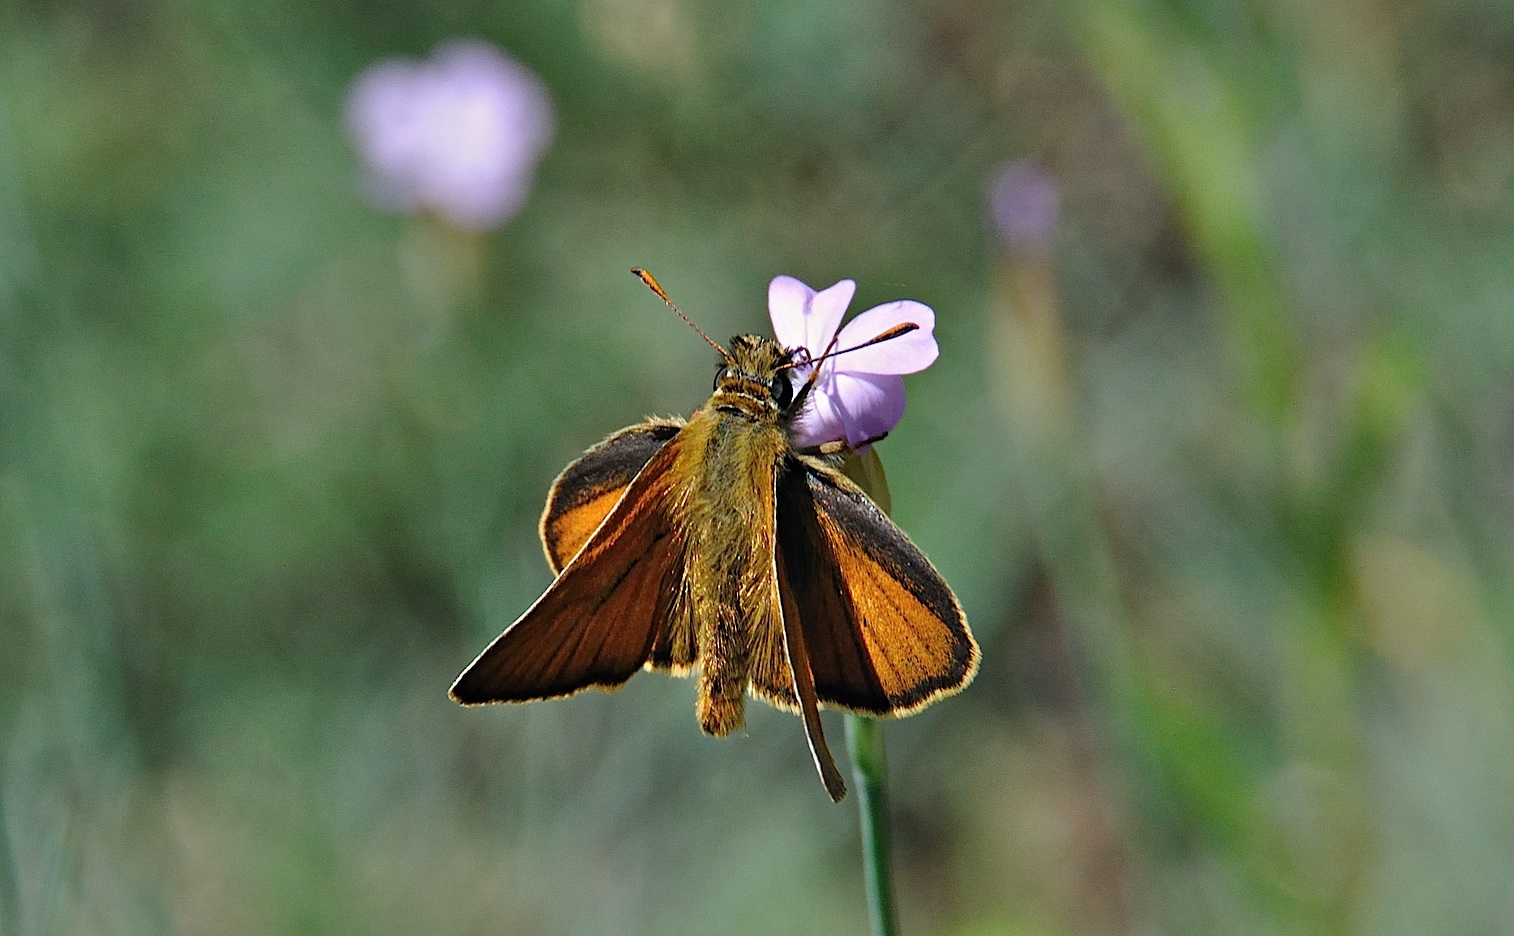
{"x":730,"y":554}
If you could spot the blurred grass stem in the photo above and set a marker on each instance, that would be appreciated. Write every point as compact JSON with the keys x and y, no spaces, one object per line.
{"x":10,"y":889}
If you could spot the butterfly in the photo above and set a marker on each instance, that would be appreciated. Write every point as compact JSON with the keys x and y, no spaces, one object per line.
{"x":716,"y":544}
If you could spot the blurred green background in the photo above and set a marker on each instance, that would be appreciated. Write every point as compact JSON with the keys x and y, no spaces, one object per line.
{"x":1222,"y":468}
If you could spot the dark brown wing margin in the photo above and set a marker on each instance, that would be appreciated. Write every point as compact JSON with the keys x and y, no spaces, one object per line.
{"x":596,"y":625}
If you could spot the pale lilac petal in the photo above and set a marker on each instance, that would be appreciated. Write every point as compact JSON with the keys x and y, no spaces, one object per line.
{"x":854,"y":407}
{"x":492,"y":120}
{"x":788,"y":307}
{"x":803,"y":318}
{"x":911,"y":352}
{"x":825,"y":315}
{"x":384,"y":115}
{"x":871,"y":405}
{"x":820,"y":422}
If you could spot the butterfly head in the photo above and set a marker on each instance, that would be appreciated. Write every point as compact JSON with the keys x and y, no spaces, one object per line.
{"x":755,"y":378}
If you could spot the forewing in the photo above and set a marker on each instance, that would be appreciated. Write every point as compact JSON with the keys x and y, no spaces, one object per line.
{"x":597,"y":623}
{"x":586,"y":491}
{"x":884,"y":632}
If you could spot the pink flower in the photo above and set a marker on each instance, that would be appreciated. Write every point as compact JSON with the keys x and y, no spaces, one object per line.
{"x":459,"y":134}
{"x":859,"y":395}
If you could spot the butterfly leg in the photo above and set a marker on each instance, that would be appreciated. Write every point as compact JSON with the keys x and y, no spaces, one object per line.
{"x":842,"y":447}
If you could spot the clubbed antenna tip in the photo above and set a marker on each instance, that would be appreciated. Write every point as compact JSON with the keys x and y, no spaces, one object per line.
{"x":653,"y":285}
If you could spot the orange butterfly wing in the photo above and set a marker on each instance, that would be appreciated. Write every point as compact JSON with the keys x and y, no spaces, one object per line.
{"x":883,"y":632}
{"x":588,"y":489}
{"x":598,"y":622}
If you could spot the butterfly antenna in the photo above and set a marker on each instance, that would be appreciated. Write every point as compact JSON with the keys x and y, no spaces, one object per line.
{"x":903,"y":328}
{"x":653,"y":285}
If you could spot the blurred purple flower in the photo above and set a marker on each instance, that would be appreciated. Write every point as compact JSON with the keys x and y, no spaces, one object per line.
{"x":858,"y":395}
{"x":1025,"y":205}
{"x":459,"y":134}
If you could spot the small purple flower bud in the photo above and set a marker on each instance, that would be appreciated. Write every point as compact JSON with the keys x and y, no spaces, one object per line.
{"x":458,"y":134}
{"x":1024,"y":205}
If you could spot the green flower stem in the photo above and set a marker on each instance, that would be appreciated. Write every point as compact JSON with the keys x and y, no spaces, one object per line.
{"x":864,"y":740}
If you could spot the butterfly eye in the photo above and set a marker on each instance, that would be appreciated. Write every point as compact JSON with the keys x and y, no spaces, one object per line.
{"x":720,"y":373}
{"x":783,"y":390}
